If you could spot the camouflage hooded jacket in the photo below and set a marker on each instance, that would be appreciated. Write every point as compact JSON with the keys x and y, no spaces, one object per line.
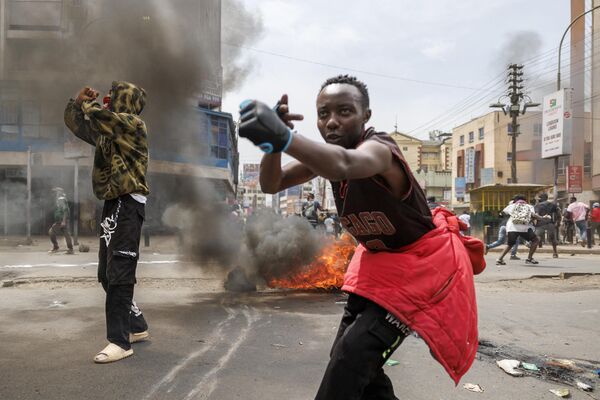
{"x":120,"y":137}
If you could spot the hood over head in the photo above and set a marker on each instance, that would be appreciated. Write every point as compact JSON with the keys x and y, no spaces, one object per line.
{"x":127,"y":98}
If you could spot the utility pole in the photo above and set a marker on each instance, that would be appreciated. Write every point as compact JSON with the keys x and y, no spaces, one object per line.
{"x":516,"y":97}
{"x":28,"y":209}
{"x":515,"y":80}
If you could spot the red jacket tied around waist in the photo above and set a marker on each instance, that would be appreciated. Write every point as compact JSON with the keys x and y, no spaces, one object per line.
{"x":429,"y":286}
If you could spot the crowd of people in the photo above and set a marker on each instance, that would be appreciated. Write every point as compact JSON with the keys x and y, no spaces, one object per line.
{"x":541,"y":221}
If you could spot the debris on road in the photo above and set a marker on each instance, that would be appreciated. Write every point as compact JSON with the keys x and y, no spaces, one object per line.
{"x":57,"y":304}
{"x":473,"y":388}
{"x":567,"y":364}
{"x":83,"y":248}
{"x":391,"y":362}
{"x":529,"y":366}
{"x":279,"y":346}
{"x":509,"y":366}
{"x":562,"y":371}
{"x":584,"y":386}
{"x":8,"y":283}
{"x":561,"y":392}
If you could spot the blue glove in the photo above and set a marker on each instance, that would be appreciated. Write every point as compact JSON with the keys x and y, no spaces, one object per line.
{"x":263,"y":127}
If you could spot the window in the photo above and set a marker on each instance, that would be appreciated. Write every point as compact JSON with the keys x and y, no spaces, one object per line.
{"x":471,"y":137}
{"x":537,"y":129}
{"x":405,"y":148}
{"x":481,"y":134}
{"x":462,"y":140}
{"x":219,"y":138}
{"x":509,"y":156}
{"x":9,"y":121}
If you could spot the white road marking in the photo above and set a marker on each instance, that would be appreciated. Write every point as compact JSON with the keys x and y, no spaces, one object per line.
{"x":209,"y":382}
{"x":215,"y":335}
{"x":79,"y":265}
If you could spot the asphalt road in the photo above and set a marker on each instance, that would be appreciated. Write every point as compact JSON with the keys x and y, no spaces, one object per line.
{"x":207,"y":344}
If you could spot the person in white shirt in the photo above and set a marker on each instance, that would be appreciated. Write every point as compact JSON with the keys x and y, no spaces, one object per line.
{"x":466,"y":218}
{"x":579,"y":211}
{"x":520,"y":224}
{"x":329,"y":225}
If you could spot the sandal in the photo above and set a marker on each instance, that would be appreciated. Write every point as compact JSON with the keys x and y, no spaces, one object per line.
{"x":138,"y":337}
{"x":531,"y":261}
{"x":111,"y":353}
{"x":500,"y":262}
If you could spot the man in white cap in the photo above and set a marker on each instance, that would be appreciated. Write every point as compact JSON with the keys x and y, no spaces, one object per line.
{"x":61,"y":222}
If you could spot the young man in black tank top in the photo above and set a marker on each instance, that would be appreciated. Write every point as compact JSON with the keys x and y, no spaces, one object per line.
{"x":407,"y":273}
{"x":368,"y":333}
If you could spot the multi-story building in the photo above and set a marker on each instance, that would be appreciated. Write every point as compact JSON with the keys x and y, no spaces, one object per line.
{"x":410,"y":148}
{"x":482,"y":153}
{"x":183,"y":152}
{"x":430,"y":162}
{"x":249,"y":191}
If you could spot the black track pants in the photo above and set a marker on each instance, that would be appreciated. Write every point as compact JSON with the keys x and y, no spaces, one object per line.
{"x":122,"y":220}
{"x":367,"y":337}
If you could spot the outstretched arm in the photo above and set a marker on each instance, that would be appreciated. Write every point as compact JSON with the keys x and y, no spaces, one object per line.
{"x":264,"y":128}
{"x":274,"y":178}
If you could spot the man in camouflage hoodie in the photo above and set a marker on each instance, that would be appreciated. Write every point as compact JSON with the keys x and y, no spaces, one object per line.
{"x":118,"y":178}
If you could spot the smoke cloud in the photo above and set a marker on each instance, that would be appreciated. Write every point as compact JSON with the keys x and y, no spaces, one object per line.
{"x":170,"y":48}
{"x":279,"y":246}
{"x":267,"y":246}
{"x":240,"y":28}
{"x":517,"y":48}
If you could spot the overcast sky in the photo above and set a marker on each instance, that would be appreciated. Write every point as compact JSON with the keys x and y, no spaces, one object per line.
{"x":458,"y":46}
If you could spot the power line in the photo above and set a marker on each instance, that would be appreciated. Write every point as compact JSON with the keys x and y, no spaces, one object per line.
{"x":470,"y":103}
{"x":360,"y":71}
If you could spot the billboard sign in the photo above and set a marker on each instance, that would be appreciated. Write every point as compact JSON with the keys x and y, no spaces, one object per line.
{"x":557,"y":121}
{"x":487,"y":176}
{"x":460,"y":187}
{"x":250,"y":175}
{"x":470,"y":165}
{"x":574,"y":179}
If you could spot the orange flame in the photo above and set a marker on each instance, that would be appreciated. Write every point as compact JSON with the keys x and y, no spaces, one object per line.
{"x":326,"y":272}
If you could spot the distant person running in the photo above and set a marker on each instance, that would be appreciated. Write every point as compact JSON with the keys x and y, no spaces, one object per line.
{"x":579,"y":212}
{"x":502,"y":240}
{"x":520,"y":225}
{"x":311,"y":210}
{"x":61,"y":222}
{"x":545,"y":208}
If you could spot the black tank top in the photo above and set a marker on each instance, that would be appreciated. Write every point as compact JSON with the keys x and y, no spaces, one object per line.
{"x":373,"y":215}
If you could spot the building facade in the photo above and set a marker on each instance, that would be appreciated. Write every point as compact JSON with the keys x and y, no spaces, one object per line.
{"x":482,"y":153}
{"x":35,"y":144}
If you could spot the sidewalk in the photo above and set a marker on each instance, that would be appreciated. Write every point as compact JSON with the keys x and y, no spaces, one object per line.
{"x":562,"y":249}
{"x":158,"y":244}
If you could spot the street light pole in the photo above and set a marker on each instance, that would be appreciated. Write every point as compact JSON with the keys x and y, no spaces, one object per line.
{"x":555,"y":188}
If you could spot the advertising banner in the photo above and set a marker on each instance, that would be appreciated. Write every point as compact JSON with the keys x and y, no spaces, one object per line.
{"x":574,"y":179}
{"x":460,"y":186}
{"x":557,"y":121}
{"x":470,"y":165}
